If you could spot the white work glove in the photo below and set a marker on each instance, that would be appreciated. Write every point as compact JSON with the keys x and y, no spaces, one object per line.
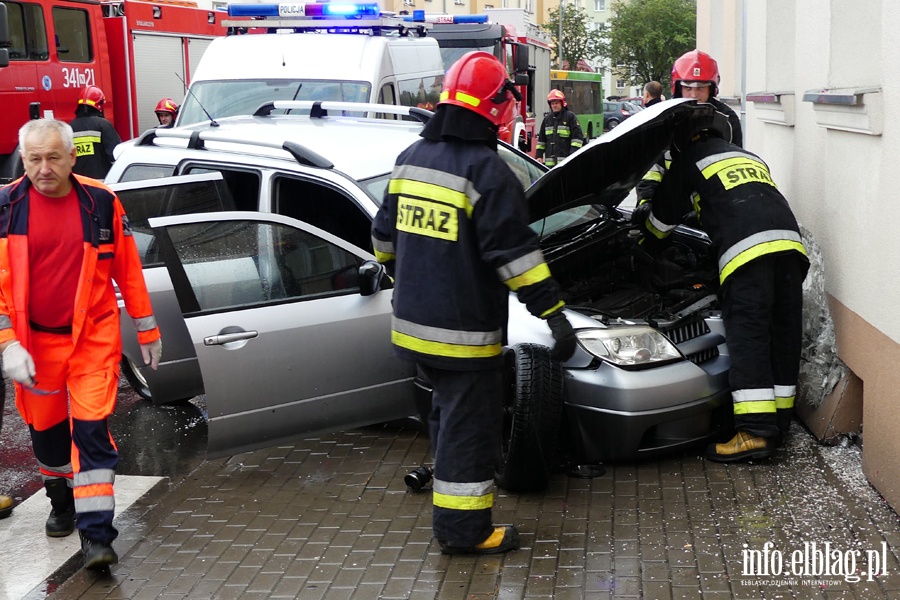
{"x":151,"y":353}
{"x":18,"y":364}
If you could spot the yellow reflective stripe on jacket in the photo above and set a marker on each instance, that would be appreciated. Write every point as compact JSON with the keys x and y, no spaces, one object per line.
{"x":529,"y":277}
{"x":658,"y":228}
{"x":753,"y":401}
{"x":451,"y":343}
{"x":385,"y":248}
{"x":463,"y":496}
{"x":756,"y":245}
{"x":577,"y":143}
{"x":434,"y":185}
{"x":524,"y":270}
{"x":738,"y":170}
{"x":552,"y":310}
{"x":384,"y":257}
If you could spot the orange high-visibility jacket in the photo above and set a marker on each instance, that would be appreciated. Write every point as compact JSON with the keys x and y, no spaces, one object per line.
{"x":109,"y":254}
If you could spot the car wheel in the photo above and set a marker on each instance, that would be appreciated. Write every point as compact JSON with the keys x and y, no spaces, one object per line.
{"x":612,"y":123}
{"x":532,"y":411}
{"x":135,"y":379}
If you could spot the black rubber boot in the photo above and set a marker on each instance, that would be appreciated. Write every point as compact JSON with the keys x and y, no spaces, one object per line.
{"x":61,"y":521}
{"x":97,"y":555}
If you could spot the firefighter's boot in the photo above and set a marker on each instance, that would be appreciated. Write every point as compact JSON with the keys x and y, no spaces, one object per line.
{"x":503,"y":539}
{"x":97,"y":555}
{"x":6,"y":506}
{"x":61,"y":521}
{"x":743,"y":446}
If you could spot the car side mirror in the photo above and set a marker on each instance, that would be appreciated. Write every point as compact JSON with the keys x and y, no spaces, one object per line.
{"x":373,"y":278}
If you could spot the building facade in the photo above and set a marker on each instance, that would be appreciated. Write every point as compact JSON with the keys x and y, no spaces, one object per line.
{"x":817,"y":79}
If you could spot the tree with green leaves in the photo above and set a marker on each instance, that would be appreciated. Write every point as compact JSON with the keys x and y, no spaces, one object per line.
{"x":579,"y":41}
{"x":646,"y":36}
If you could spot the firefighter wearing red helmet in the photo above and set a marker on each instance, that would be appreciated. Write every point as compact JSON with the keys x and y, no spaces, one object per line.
{"x":694,"y":75}
{"x":166,"y":111}
{"x":453,"y":232}
{"x":560,"y":133}
{"x":95,"y":137}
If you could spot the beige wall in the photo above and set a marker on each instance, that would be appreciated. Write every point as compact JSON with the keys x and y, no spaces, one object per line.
{"x":831,"y":163}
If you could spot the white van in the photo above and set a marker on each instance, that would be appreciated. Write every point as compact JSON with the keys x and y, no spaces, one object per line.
{"x":239,"y":73}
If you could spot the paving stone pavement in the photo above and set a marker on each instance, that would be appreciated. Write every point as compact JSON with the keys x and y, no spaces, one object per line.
{"x":330,"y":518}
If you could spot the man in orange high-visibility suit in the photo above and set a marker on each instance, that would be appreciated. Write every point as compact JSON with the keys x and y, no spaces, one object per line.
{"x":64,"y":238}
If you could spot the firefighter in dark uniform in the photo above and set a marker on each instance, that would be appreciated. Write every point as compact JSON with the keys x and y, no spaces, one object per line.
{"x":95,"y":137}
{"x":560,"y":133}
{"x":453,"y":232}
{"x":762,"y":264}
{"x":694,"y":75}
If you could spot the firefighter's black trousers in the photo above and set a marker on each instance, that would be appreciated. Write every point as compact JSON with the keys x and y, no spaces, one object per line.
{"x":465,"y":428}
{"x":762,"y":305}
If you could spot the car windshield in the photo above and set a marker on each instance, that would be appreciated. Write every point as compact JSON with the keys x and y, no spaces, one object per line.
{"x":243,"y":97}
{"x":577,"y":215}
{"x":526,"y":171}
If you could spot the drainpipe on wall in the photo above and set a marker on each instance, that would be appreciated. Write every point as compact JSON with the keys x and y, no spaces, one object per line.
{"x":744,"y":68}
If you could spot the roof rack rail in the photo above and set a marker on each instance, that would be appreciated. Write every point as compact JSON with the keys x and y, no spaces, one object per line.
{"x":198,"y":139}
{"x":320,"y":108}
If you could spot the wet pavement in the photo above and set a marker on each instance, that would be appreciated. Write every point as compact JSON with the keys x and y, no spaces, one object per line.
{"x":331,"y":518}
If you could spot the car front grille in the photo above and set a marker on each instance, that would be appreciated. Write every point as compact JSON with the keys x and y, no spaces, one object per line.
{"x":692,"y":329}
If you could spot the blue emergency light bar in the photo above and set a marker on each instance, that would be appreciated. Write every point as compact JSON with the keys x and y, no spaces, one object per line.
{"x":306,"y":9}
{"x":420,"y":16}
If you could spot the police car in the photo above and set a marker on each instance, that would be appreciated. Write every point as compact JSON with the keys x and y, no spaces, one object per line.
{"x":258,"y":258}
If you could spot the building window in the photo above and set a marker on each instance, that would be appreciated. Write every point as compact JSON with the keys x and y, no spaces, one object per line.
{"x":599,"y":5}
{"x":620,"y":84}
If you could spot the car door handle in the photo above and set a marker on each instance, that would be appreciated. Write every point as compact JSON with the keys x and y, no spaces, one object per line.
{"x":226,"y":338}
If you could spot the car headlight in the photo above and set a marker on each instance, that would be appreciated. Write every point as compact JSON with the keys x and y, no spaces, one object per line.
{"x":633,"y":346}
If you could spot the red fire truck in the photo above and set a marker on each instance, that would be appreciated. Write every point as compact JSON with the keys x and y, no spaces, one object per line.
{"x":136,"y":52}
{"x":506,"y":34}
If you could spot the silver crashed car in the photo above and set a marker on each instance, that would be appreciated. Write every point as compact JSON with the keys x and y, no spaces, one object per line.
{"x":258,"y":258}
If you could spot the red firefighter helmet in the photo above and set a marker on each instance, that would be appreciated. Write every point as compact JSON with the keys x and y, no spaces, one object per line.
{"x":478,"y":82}
{"x":93,"y":97}
{"x":695,"y":67}
{"x":557,"y":95}
{"x":167,"y":105}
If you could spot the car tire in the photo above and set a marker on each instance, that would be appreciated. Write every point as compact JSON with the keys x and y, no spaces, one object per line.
{"x":612,"y":124}
{"x":135,"y":379}
{"x":532,"y":412}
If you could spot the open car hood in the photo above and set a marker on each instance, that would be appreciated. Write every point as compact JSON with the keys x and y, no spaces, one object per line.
{"x":607,"y":169}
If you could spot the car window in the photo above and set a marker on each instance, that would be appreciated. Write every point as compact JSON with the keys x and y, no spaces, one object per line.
{"x":141,"y":204}
{"x":325,"y":207}
{"x":239,"y":264}
{"x":140,"y":172}
{"x":243,"y":184}
{"x":526,"y":170}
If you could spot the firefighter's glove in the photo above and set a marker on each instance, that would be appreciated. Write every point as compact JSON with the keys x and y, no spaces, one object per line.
{"x":151,"y":353}
{"x":640,"y":213}
{"x":564,"y":335}
{"x":18,"y":364}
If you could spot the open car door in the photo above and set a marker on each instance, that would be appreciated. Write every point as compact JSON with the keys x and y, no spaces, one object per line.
{"x":290,"y":324}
